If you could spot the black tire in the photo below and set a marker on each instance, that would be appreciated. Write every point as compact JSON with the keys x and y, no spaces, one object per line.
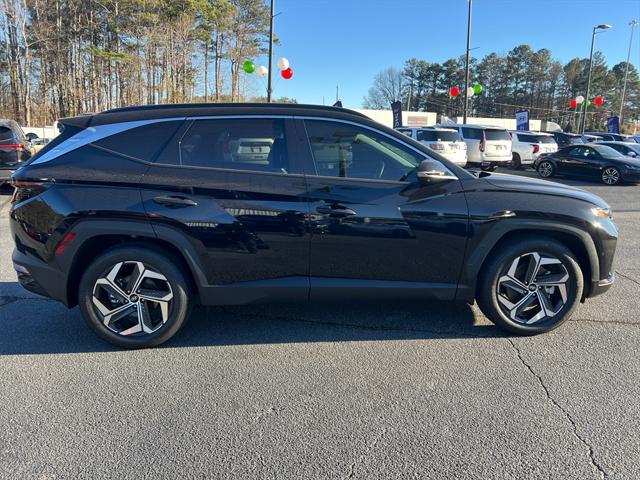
{"x":546,"y":169}
{"x":174,"y":284}
{"x":495,"y":275}
{"x":611,"y":176}
{"x":516,"y":163}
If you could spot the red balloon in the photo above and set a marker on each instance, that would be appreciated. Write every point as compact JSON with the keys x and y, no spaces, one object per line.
{"x":454,"y":91}
{"x":573,"y":103}
{"x":598,"y":100}
{"x":287,"y":74}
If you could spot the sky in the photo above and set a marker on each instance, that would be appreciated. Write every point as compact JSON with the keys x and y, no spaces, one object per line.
{"x":346,"y":42}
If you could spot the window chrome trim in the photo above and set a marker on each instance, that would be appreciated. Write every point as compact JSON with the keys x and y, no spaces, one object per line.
{"x":93,"y":134}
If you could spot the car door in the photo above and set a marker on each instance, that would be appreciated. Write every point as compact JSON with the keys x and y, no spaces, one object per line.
{"x":372,"y":229}
{"x":234,"y":188}
{"x":572,"y":160}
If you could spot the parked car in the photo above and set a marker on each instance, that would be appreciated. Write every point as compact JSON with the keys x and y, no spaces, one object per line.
{"x":487,"y":146}
{"x":594,"y":161}
{"x":591,"y":138}
{"x":14,"y":148}
{"x":136,"y":231}
{"x":445,"y":141}
{"x":612,"y":137}
{"x":565,"y":139}
{"x":528,"y":146}
{"x":630,"y":149}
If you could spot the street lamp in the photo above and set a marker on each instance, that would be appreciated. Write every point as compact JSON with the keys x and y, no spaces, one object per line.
{"x":632,"y":24}
{"x":466,"y":66}
{"x":604,"y":26}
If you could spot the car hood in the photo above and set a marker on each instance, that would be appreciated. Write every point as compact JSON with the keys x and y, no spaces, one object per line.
{"x":533,"y":185}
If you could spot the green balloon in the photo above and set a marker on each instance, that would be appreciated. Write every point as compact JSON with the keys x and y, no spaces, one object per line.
{"x":249,"y":66}
{"x":588,"y":103}
{"x":477,"y":89}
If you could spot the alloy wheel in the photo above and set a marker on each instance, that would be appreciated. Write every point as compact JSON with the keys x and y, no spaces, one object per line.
{"x":533,"y":289}
{"x":610,"y":176}
{"x":545,"y":169}
{"x":132,"y":298}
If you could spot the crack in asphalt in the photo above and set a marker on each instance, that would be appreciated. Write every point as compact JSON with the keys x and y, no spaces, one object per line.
{"x":352,"y":467}
{"x":613,"y":322}
{"x":9,"y":299}
{"x":594,"y":463}
{"x":628,"y":277}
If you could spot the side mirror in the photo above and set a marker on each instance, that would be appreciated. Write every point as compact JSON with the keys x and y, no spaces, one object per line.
{"x":31,"y":136}
{"x":430,"y":171}
{"x":632,"y":154}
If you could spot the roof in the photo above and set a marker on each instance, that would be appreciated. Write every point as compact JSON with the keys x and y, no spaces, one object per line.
{"x":533,"y":132}
{"x":615,"y":142}
{"x":470,"y":125}
{"x":149,"y":112}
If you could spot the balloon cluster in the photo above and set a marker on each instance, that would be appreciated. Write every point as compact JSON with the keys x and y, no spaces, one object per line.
{"x":574,"y":102}
{"x":262,"y":71}
{"x":471,"y":91}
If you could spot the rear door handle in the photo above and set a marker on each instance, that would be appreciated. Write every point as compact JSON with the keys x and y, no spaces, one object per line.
{"x":175,"y":201}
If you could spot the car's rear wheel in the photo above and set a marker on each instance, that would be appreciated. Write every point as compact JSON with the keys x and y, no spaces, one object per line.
{"x":134,"y":297}
{"x":546,"y":169}
{"x":611,"y":176}
{"x":531,"y":286}
{"x":516,"y":163}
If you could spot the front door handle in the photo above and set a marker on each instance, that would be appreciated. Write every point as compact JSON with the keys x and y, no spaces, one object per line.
{"x":335,"y":210}
{"x":175,"y":201}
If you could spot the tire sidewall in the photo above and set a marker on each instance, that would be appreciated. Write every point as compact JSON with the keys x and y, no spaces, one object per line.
{"x":161,"y":263}
{"x":488,"y":299}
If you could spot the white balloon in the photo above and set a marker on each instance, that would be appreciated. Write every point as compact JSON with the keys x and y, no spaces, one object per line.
{"x":262,"y":71}
{"x":283,"y":64}
{"x":579,"y":99}
{"x":470,"y":92}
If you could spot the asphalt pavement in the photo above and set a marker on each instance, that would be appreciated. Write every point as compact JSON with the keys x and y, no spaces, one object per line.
{"x":369,"y":391}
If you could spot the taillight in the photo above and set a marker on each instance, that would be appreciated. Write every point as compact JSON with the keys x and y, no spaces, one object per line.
{"x":25,"y":189}
{"x":536,"y":148}
{"x":436,"y":146}
{"x":481,"y":147}
{"x":11,"y":146}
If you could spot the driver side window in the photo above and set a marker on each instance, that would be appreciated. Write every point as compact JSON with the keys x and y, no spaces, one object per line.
{"x":345,"y":150}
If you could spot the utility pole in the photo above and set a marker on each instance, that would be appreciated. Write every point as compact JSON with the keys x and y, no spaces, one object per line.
{"x":604,"y":26}
{"x":466,"y":74}
{"x":269,"y":90}
{"x":632,"y":24}
{"x":337,"y":93}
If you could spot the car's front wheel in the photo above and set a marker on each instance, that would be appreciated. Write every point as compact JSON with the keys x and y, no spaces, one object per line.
{"x":546,"y":169}
{"x":134,"y":297}
{"x":530,"y":286}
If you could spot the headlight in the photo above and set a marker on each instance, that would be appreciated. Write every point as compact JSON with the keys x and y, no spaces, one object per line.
{"x":603,"y":212}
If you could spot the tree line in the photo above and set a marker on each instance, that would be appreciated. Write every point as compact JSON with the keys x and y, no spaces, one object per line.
{"x":66,"y":57}
{"x":521,"y":79}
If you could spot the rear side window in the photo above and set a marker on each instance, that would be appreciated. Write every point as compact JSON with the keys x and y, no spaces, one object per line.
{"x":437,"y":136}
{"x":472,"y":133}
{"x":545,"y":139}
{"x":498,"y":135}
{"x":523,"y":137}
{"x":142,"y":143}
{"x":243,"y":144}
{"x":6,"y":135}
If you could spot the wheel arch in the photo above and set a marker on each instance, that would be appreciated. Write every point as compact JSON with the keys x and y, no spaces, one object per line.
{"x":577,"y":241}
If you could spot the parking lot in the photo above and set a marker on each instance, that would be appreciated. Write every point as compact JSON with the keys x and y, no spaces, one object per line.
{"x":368,"y":390}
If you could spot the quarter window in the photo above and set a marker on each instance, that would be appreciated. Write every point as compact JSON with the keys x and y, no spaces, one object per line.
{"x":143,"y":143}
{"x":244,"y":144}
{"x":345,"y":150}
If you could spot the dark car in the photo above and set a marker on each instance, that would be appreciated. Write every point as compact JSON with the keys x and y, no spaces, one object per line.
{"x":612,"y":137}
{"x":630,"y":149}
{"x":593,"y":161}
{"x":565,"y":139}
{"x":137,"y":214}
{"x":14,"y":148}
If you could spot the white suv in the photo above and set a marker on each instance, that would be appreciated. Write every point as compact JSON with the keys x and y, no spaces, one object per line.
{"x":528,"y":146}
{"x":445,"y":141}
{"x":487,"y":146}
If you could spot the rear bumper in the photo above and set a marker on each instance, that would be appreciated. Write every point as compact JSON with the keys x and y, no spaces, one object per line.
{"x":38,"y":277}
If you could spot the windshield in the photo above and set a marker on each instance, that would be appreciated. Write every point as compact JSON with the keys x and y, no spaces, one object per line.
{"x":571,"y":139}
{"x":545,"y":139}
{"x":606,"y":151}
{"x":437,"y":136}
{"x":496,"y":135}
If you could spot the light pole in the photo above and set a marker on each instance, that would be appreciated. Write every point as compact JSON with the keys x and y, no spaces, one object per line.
{"x":270,"y":52}
{"x":604,"y":26}
{"x":466,"y":69}
{"x":632,"y":24}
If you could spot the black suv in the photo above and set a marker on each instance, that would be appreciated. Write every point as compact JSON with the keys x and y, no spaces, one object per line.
{"x":15,"y":148}
{"x":138,"y":213}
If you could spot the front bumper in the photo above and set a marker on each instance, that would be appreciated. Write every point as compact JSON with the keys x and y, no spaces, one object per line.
{"x":601,"y":286}
{"x":631,"y":176}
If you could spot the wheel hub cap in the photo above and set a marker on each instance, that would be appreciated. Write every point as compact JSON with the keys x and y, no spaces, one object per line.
{"x":132,"y":298}
{"x":533,"y":289}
